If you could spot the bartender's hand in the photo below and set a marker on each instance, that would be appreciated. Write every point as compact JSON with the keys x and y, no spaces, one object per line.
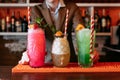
{"x":25,"y":59}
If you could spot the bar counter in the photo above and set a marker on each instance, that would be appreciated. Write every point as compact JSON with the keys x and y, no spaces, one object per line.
{"x":7,"y":73}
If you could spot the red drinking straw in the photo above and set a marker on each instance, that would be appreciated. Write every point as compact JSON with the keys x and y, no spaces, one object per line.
{"x":28,"y":8}
{"x":66,"y":22}
{"x":92,"y":31}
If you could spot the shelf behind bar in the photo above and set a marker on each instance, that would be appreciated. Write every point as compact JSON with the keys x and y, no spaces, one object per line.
{"x":98,"y":4}
{"x":13,"y":33}
{"x":89,"y":4}
{"x":13,"y":4}
{"x":25,"y":33}
{"x":78,"y":4}
{"x":103,"y":34}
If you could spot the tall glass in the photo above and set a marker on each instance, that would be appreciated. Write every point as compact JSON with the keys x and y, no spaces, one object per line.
{"x":36,"y":47}
{"x":83,"y":43}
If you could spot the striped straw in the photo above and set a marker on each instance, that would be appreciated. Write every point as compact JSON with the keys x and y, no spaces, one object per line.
{"x":28,"y":15}
{"x":92,"y":31}
{"x":66,"y":22}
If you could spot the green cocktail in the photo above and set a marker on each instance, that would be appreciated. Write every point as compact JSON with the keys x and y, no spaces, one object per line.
{"x":83,"y":43}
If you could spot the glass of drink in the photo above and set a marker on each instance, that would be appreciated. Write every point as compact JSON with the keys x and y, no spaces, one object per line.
{"x":83,"y":43}
{"x":36,"y":47}
{"x":60,"y":51}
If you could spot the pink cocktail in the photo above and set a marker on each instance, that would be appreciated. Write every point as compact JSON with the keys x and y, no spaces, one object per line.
{"x":36,"y":47}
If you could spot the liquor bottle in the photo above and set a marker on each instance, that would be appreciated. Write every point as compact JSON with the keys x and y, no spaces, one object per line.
{"x":18,"y":22}
{"x":108,"y":21}
{"x":83,"y":14}
{"x":87,"y":19}
{"x":24,"y":24}
{"x":8,"y":21}
{"x":103,"y":21}
{"x":19,"y":17}
{"x":3,"y":25}
{"x":13,"y":19}
{"x":97,"y":21}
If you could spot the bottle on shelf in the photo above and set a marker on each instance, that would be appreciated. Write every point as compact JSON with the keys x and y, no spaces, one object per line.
{"x":18,"y":23}
{"x":19,"y":16}
{"x":3,"y":25}
{"x":97,"y":21}
{"x":103,"y":21}
{"x":83,"y":14}
{"x":13,"y":19}
{"x":8,"y":27}
{"x":108,"y":22}
{"x":24,"y":24}
{"x":87,"y":19}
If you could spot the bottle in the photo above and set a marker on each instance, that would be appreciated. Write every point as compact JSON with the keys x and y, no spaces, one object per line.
{"x":103,"y":21}
{"x":87,"y":19}
{"x":8,"y":21}
{"x":108,"y":22}
{"x":24,"y":24}
{"x":3,"y":25}
{"x":13,"y":19}
{"x":83,"y":14}
{"x":18,"y":23}
{"x":97,"y":21}
{"x":19,"y":16}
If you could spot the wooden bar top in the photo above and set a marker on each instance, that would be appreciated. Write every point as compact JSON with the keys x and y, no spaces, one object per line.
{"x":72,"y":67}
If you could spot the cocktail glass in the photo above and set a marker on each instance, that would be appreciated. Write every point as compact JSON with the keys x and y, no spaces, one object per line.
{"x":36,"y":47}
{"x":83,"y":43}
